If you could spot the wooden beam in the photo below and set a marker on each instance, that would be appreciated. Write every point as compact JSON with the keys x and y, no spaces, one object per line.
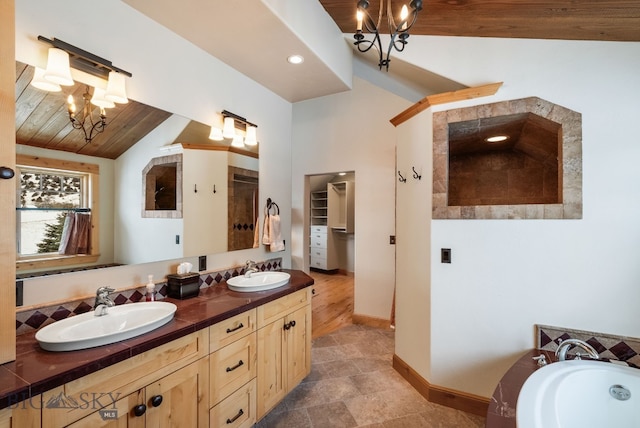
{"x":7,"y":187}
{"x":446,"y":97}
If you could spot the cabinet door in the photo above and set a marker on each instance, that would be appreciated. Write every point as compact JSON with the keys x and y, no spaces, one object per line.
{"x":118,"y":415}
{"x":271,"y":380}
{"x":297,"y":344}
{"x":180,"y":399}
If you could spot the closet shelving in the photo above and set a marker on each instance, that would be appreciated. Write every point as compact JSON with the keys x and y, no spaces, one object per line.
{"x":319,"y":208}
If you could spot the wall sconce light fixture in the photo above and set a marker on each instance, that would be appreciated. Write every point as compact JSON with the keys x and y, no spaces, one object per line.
{"x":61,"y":57}
{"x":232,"y":122}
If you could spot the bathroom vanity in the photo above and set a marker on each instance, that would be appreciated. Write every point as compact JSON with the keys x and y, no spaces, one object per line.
{"x":226,"y":359}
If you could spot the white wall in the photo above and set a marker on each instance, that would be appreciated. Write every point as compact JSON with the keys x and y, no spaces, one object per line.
{"x":350,"y":131}
{"x":508,"y":275}
{"x":171,"y":74}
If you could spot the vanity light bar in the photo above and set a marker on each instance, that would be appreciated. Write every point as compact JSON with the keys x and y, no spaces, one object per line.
{"x":226,"y":113}
{"x":85,"y":61}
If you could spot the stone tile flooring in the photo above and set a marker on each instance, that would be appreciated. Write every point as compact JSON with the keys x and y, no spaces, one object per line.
{"x":352,"y":384}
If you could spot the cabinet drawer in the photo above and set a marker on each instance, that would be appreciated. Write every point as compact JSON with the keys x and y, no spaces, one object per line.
{"x":318,"y":263}
{"x":124,"y":377}
{"x":272,"y":311}
{"x":318,"y":253}
{"x":318,"y":242}
{"x":229,"y":330}
{"x":237,"y":410}
{"x":318,"y":229}
{"x":231,"y":367}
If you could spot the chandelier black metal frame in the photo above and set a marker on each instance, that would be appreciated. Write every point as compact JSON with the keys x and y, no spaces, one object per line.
{"x":96,"y":127}
{"x":399,"y":33}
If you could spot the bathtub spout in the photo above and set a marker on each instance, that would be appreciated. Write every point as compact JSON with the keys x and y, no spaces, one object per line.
{"x":565,"y":345}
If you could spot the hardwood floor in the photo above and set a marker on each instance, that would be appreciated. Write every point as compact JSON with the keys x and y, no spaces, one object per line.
{"x":332,"y":303}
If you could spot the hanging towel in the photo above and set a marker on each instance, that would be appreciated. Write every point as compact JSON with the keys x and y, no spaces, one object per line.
{"x":276,"y":242}
{"x":266,"y":230}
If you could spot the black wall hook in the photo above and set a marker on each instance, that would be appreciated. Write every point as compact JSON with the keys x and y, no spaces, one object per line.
{"x":415,"y":174}
{"x":401,"y":179}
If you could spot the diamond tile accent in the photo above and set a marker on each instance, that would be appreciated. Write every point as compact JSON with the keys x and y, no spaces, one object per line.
{"x":29,"y":320}
{"x":608,"y":346}
{"x":36,"y":320}
{"x":61,"y":313}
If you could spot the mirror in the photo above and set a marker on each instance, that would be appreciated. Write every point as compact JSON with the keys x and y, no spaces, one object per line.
{"x":219,"y":216}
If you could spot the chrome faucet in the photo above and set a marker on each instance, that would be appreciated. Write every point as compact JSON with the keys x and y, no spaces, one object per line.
{"x":250,"y":268}
{"x":565,"y":345}
{"x":103,"y":301}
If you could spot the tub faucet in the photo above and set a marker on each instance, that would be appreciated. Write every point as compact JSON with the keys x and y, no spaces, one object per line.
{"x":250,"y":268}
{"x":565,"y":345}
{"x":103,"y":301}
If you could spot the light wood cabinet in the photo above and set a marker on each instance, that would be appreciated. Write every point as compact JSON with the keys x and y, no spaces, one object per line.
{"x":284,"y":347}
{"x":23,"y":414}
{"x":85,"y":396}
{"x":230,"y":375}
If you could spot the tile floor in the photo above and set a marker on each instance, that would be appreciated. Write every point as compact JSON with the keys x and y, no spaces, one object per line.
{"x":352,"y":384}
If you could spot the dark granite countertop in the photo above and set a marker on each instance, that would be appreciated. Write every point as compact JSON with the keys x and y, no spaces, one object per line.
{"x":502,"y":407}
{"x":35,"y":370}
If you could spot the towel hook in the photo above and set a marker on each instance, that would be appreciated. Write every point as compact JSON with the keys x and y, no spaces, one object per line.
{"x":272,"y":204}
{"x":415,"y":174}
{"x":401,"y":179}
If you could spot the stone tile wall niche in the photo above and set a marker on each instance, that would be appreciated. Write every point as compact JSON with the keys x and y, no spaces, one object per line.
{"x":569,"y":181}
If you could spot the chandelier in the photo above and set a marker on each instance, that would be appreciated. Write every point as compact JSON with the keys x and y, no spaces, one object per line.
{"x":61,"y":58}
{"x":399,"y":32}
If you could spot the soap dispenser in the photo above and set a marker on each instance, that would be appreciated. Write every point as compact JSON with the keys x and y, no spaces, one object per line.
{"x":151,"y":290}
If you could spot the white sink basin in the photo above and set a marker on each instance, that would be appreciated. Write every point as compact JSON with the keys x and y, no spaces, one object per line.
{"x":120,"y":323}
{"x":577,"y":394}
{"x":258,"y":281}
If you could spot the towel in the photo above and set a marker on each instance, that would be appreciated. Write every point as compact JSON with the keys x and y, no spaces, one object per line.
{"x":266,"y":230}
{"x":276,"y":243}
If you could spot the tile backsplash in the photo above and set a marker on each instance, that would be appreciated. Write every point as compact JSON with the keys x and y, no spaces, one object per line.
{"x":609,"y":346}
{"x":32,"y":319}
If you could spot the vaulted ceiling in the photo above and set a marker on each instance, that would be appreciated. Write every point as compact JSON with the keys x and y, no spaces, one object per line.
{"x":267,"y":38}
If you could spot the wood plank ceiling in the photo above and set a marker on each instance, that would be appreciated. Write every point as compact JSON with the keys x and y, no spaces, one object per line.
{"x":608,"y":20}
{"x":42,"y":120}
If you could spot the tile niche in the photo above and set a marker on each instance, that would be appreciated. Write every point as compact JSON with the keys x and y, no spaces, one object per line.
{"x":535,"y":174}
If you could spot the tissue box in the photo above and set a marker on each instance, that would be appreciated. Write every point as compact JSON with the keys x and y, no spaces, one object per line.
{"x":183,"y":286}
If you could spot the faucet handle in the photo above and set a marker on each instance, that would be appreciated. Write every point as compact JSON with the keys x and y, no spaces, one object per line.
{"x":105,"y":290}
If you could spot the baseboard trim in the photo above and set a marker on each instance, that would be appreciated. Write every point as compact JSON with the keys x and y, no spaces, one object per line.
{"x":371,"y":321}
{"x":346,"y":273}
{"x":458,"y":400}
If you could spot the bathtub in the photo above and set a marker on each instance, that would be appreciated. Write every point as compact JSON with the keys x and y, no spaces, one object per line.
{"x":580,"y":394}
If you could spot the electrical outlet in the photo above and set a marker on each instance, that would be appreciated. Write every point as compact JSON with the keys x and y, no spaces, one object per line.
{"x":177,"y":239}
{"x":202,"y":263}
{"x":445,"y":255}
{"x":392,"y":240}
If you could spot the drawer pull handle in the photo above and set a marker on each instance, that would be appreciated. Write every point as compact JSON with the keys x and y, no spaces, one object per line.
{"x":139,"y":410}
{"x":156,"y":400}
{"x":231,"y":330}
{"x":290,"y":324}
{"x":233,"y":419}
{"x":240,"y":364}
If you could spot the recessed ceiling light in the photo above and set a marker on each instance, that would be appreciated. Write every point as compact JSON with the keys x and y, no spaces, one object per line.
{"x":496,"y":138}
{"x":295,"y":59}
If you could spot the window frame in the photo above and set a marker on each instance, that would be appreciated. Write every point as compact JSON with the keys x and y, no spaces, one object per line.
{"x":91,"y":197}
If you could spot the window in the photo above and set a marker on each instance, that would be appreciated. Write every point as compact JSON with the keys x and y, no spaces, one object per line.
{"x":51,"y":193}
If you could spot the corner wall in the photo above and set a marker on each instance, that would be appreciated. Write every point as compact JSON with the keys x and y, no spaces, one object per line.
{"x":350,"y":131}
